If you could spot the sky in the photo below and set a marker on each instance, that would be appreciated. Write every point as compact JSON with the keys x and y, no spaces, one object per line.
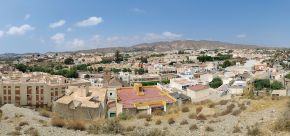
{"x":67,"y":25}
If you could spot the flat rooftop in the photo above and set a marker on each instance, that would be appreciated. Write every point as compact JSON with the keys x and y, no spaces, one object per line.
{"x":128,"y":96}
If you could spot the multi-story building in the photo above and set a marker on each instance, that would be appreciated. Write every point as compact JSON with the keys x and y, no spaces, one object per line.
{"x":33,"y":89}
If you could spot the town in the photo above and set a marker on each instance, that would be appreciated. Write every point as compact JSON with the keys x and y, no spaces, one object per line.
{"x":189,"y":91}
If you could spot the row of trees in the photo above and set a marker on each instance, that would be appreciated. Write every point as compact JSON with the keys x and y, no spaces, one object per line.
{"x":260,"y":84}
{"x":59,"y":70}
{"x":220,"y":57}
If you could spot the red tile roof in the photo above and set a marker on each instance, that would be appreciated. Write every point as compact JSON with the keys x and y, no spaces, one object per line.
{"x":128,"y":96}
{"x":197,"y":87}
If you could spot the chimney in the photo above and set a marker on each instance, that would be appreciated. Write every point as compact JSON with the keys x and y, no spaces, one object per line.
{"x":139,"y":89}
{"x":84,"y":90}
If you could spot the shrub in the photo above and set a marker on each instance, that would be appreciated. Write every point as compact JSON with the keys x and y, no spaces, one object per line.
{"x":95,"y":128}
{"x":142,"y":116}
{"x":171,"y":121}
{"x":253,"y":131}
{"x":193,"y":127}
{"x":156,"y":132}
{"x":146,"y":124}
{"x":216,"y":82}
{"x":14,"y":133}
{"x":76,"y":125}
{"x":198,"y":110}
{"x":237,"y":129}
{"x":18,"y":128}
{"x":209,"y":129}
{"x":148,"y":118}
{"x":1,"y":114}
{"x":282,"y":124}
{"x":242,"y":107}
{"x":237,"y":112}
{"x":113,"y":126}
{"x":201,"y":117}
{"x":23,"y":123}
{"x":211,"y":105}
{"x":158,"y":122}
{"x":223,"y":102}
{"x":130,"y":128}
{"x":183,"y":122}
{"x":228,"y":110}
{"x":57,"y":122}
{"x":158,"y":113}
{"x":45,"y":113}
{"x":31,"y":131}
{"x":185,"y":109}
{"x":123,"y":116}
{"x":192,"y":116}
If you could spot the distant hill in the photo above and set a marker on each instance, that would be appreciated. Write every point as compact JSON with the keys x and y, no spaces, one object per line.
{"x":174,"y":45}
{"x":156,"y":46}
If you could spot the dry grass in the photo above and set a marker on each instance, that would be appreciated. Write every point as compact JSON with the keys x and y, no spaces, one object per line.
{"x":171,"y":121}
{"x":143,"y":116}
{"x":1,"y":114}
{"x":158,"y":122}
{"x":146,"y":124}
{"x":228,"y":110}
{"x":254,"y":131}
{"x":209,"y":129}
{"x":148,"y":118}
{"x":158,"y":113}
{"x":95,"y":128}
{"x":130,"y":128}
{"x":23,"y":123}
{"x":14,"y":133}
{"x":45,"y":113}
{"x":198,"y":109}
{"x":193,"y":127}
{"x":223,"y":102}
{"x":237,"y":112}
{"x":76,"y":125}
{"x":32,"y":132}
{"x":183,"y":122}
{"x":192,"y":116}
{"x":236,"y":129}
{"x":201,"y":117}
{"x":58,"y":122}
{"x":185,"y":109}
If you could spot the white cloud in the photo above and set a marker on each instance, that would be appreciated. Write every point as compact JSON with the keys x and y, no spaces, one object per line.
{"x":69,"y":29}
{"x":241,"y":36}
{"x":92,"y":21}
{"x":27,"y":16}
{"x":138,"y":10}
{"x":58,"y":37}
{"x":1,"y":33}
{"x":77,"y":44}
{"x":57,"y":24}
{"x":19,"y":30}
{"x":171,"y":35}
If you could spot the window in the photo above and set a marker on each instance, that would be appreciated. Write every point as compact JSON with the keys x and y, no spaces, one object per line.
{"x":4,"y":91}
{"x":17,"y":92}
{"x":9,"y":91}
{"x":17,"y":98}
{"x":29,"y":92}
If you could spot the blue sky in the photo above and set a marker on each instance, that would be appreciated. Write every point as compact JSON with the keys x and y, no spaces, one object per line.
{"x":62,"y":25}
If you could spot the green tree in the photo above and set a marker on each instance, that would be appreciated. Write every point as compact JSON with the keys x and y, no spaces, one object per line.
{"x":260,"y":84}
{"x":216,"y":82}
{"x":118,"y":57}
{"x":69,"y":61}
{"x":144,"y":59}
{"x":276,"y":85}
{"x":227,"y":63}
{"x":21,"y":67}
